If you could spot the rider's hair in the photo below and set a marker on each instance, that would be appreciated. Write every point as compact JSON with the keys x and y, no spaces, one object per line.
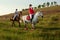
{"x":16,"y":9}
{"x":30,"y":4}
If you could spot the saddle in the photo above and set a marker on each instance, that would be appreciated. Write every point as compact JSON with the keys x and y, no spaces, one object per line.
{"x":28,"y":17}
{"x":16,"y":18}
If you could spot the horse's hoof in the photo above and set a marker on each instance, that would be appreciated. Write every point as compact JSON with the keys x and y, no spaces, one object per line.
{"x":19,"y":26}
{"x":32,"y":29}
{"x":25,"y":28}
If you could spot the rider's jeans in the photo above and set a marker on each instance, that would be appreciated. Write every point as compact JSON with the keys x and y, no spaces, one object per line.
{"x":31,"y":16}
{"x":15,"y":16}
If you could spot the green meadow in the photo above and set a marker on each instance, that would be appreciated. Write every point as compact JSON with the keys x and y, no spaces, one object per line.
{"x":47,"y":28}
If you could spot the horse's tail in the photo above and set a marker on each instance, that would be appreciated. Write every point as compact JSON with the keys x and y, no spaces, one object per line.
{"x":11,"y":19}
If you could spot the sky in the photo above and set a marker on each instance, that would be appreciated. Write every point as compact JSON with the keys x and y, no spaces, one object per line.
{"x":9,"y":6}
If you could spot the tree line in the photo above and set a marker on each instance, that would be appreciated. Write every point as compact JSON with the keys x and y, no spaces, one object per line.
{"x":48,"y":4}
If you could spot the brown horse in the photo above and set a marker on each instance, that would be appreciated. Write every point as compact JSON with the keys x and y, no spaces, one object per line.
{"x":17,"y":19}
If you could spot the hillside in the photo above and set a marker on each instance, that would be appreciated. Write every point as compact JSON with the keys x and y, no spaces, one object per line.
{"x":47,"y":28}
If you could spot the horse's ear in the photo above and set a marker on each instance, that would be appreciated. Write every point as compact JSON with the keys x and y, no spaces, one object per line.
{"x":20,"y":12}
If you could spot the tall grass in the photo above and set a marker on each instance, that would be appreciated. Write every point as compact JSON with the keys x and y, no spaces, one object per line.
{"x":47,"y":28}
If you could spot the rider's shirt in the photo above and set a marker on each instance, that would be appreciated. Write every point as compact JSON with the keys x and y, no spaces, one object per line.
{"x":16,"y":12}
{"x":31,"y":11}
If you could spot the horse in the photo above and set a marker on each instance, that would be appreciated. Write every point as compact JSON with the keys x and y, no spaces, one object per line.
{"x":34,"y":21}
{"x":17,"y":19}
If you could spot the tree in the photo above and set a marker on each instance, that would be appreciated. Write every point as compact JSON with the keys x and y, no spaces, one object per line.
{"x":35,"y":7}
{"x":26,"y":9}
{"x":39,"y":6}
{"x":51,"y":3}
{"x":44,"y":4}
{"x":55,"y":3}
{"x":23,"y":9}
{"x":48,"y":4}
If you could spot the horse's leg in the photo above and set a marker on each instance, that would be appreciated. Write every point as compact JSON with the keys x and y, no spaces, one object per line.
{"x":13,"y":23}
{"x":19,"y":23}
{"x":25,"y":26}
{"x":33,"y":27}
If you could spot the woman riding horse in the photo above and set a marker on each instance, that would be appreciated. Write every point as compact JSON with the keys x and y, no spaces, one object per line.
{"x":16,"y":18}
{"x":31,"y":12}
{"x":34,"y":21}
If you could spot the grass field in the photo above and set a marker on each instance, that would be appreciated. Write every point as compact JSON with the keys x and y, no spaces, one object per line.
{"x":48,"y":28}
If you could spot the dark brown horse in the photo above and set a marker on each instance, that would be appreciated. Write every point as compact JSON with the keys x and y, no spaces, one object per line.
{"x":17,"y":19}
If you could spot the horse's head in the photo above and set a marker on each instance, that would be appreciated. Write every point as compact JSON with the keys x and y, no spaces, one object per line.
{"x":20,"y":14}
{"x":39,"y":14}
